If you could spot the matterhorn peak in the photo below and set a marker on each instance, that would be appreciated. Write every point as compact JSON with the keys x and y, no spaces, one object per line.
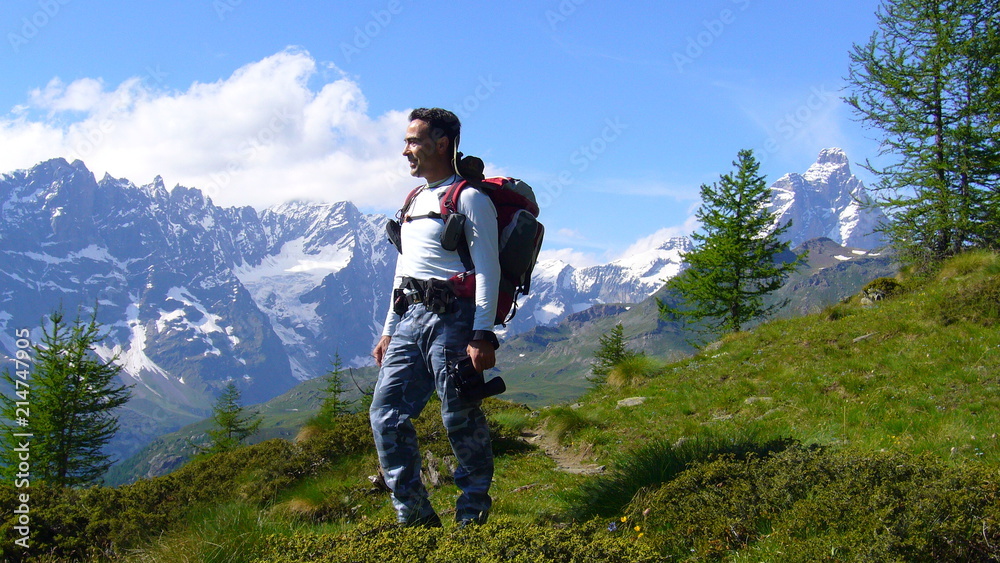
{"x":831,"y":163}
{"x":823,"y":202}
{"x":832,"y":156}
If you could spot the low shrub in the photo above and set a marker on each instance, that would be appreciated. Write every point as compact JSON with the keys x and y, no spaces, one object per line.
{"x":491,"y":543}
{"x":883,"y":288}
{"x":812,"y":504}
{"x":77,"y":523}
{"x":73,"y":522}
{"x":655,"y":463}
{"x":58,"y":523}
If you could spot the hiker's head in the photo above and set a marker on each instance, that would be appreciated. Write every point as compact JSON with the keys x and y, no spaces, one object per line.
{"x":431,"y":139}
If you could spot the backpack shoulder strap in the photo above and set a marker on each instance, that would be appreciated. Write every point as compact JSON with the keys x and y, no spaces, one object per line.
{"x":401,"y":214}
{"x":449,"y":205}
{"x":449,"y":201}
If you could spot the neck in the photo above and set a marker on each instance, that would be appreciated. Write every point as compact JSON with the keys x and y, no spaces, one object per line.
{"x":433,"y":179}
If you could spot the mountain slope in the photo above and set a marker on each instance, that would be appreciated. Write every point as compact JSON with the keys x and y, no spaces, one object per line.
{"x":559,"y":290}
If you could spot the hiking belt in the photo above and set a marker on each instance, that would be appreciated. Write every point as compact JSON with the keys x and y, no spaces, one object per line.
{"x":437,"y":295}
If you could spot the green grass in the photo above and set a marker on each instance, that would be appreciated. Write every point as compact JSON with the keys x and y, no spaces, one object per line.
{"x":893,"y":370}
{"x":227,"y":533}
{"x":529,"y":490}
{"x":567,"y":423}
{"x":633,"y":371}
{"x":655,"y":463}
{"x":514,"y":421}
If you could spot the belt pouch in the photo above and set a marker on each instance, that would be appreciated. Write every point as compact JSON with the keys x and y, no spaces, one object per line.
{"x":399,"y":303}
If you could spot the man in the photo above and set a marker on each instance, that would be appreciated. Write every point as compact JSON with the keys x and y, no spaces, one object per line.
{"x":436,"y":329}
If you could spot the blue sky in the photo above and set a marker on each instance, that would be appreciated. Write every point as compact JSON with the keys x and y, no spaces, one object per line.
{"x":615,"y":114}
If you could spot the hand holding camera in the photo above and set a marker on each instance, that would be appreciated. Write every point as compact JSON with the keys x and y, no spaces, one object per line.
{"x":471,"y":384}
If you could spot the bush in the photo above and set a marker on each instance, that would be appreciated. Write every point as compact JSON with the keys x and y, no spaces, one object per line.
{"x":491,"y":543}
{"x":811,"y":504}
{"x":74,"y":523}
{"x":653,"y":464}
{"x":882,"y":288}
{"x":59,"y":524}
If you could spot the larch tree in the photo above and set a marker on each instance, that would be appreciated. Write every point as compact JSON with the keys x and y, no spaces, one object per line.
{"x":72,"y":397}
{"x":927,"y":80}
{"x":735,"y":262}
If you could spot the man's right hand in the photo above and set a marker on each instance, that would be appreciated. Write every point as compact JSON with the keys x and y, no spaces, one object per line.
{"x":379,"y":352}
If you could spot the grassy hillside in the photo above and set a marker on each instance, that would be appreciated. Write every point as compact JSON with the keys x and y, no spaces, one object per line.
{"x":918,"y":371}
{"x":282,"y":417}
{"x":862,"y":432}
{"x":547,"y":365}
{"x":550,"y":365}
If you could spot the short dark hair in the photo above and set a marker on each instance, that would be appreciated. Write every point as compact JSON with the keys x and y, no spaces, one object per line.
{"x":442,"y":123}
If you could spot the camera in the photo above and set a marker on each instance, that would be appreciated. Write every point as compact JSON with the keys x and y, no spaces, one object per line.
{"x":471,"y":384}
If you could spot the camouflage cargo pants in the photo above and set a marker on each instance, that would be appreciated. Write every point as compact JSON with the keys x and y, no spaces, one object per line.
{"x":414,"y":366}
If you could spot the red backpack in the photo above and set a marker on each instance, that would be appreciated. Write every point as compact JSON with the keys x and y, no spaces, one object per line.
{"x":520,"y":235}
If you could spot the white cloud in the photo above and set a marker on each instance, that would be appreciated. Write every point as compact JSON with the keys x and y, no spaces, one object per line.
{"x":572,"y":234}
{"x":82,"y":95}
{"x":574,"y":258}
{"x":654,"y":240}
{"x":260,"y":137}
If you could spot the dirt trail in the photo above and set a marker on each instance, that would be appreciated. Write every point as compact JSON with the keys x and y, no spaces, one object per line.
{"x":567,"y":459}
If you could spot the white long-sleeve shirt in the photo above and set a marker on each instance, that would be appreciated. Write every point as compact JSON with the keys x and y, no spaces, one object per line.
{"x":423,"y":257}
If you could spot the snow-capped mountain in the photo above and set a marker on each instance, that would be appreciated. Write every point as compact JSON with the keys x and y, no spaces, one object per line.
{"x":192,"y":295}
{"x":824,"y":202}
{"x":558,"y":289}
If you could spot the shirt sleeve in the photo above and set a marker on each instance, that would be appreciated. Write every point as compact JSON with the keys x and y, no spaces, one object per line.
{"x":481,"y":232}
{"x":391,"y":318}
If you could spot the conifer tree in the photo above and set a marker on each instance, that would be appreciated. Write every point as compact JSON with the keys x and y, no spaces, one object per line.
{"x":610,"y":352}
{"x":232,"y":423}
{"x":734,"y":263}
{"x":927,"y":79}
{"x":333,"y":405}
{"x":72,"y":398}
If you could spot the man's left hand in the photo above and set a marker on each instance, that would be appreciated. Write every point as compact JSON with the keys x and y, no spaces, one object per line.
{"x":482,"y":354}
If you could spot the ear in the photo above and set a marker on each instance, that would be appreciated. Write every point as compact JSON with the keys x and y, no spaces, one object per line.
{"x":442,"y":147}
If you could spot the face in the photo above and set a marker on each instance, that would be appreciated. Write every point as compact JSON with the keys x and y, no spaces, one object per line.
{"x":428,"y":159}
